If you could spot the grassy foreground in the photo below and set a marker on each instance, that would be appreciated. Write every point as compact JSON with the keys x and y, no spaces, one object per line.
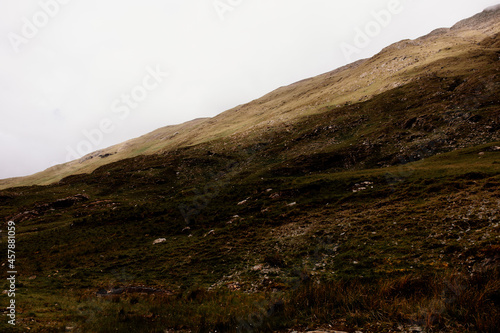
{"x":411,"y":302}
{"x":265,"y":254}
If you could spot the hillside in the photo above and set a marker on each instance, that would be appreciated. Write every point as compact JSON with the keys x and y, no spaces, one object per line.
{"x":364,"y":199}
{"x":443,"y":53}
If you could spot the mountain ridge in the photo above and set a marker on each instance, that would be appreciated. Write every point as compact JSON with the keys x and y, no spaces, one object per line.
{"x":279,"y":107}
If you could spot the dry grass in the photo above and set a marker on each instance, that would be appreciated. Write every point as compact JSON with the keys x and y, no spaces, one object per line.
{"x":402,"y":63}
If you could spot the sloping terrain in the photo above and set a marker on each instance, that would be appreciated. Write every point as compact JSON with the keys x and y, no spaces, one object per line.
{"x":456,"y":52}
{"x":365,"y":199}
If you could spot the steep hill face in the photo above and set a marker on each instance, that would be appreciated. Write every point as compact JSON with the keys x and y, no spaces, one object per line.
{"x":467,"y":47}
{"x":364,"y":199}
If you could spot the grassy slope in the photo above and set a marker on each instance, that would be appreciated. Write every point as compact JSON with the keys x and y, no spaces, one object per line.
{"x":420,"y":248}
{"x":402,"y":63}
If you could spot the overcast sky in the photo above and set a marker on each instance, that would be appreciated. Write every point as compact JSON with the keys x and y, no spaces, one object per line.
{"x":70,"y":67}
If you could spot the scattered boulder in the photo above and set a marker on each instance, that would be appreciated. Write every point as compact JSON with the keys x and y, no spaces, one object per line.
{"x":28,"y":215}
{"x":358,"y":187}
{"x":131,"y":290}
{"x":274,"y":196}
{"x":233,"y":286}
{"x":233,"y":219}
{"x":258,"y":267}
{"x":243,"y":202}
{"x":69,"y":201}
{"x":159,"y":240}
{"x":209,"y":233}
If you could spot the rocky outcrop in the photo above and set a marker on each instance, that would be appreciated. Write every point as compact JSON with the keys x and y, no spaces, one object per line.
{"x":40,"y":209}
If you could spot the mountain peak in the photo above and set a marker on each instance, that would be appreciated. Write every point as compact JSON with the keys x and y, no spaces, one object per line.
{"x":481,"y":20}
{"x":493,"y":8}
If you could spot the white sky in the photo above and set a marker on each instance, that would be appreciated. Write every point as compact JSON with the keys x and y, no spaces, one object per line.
{"x":67,"y":75}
